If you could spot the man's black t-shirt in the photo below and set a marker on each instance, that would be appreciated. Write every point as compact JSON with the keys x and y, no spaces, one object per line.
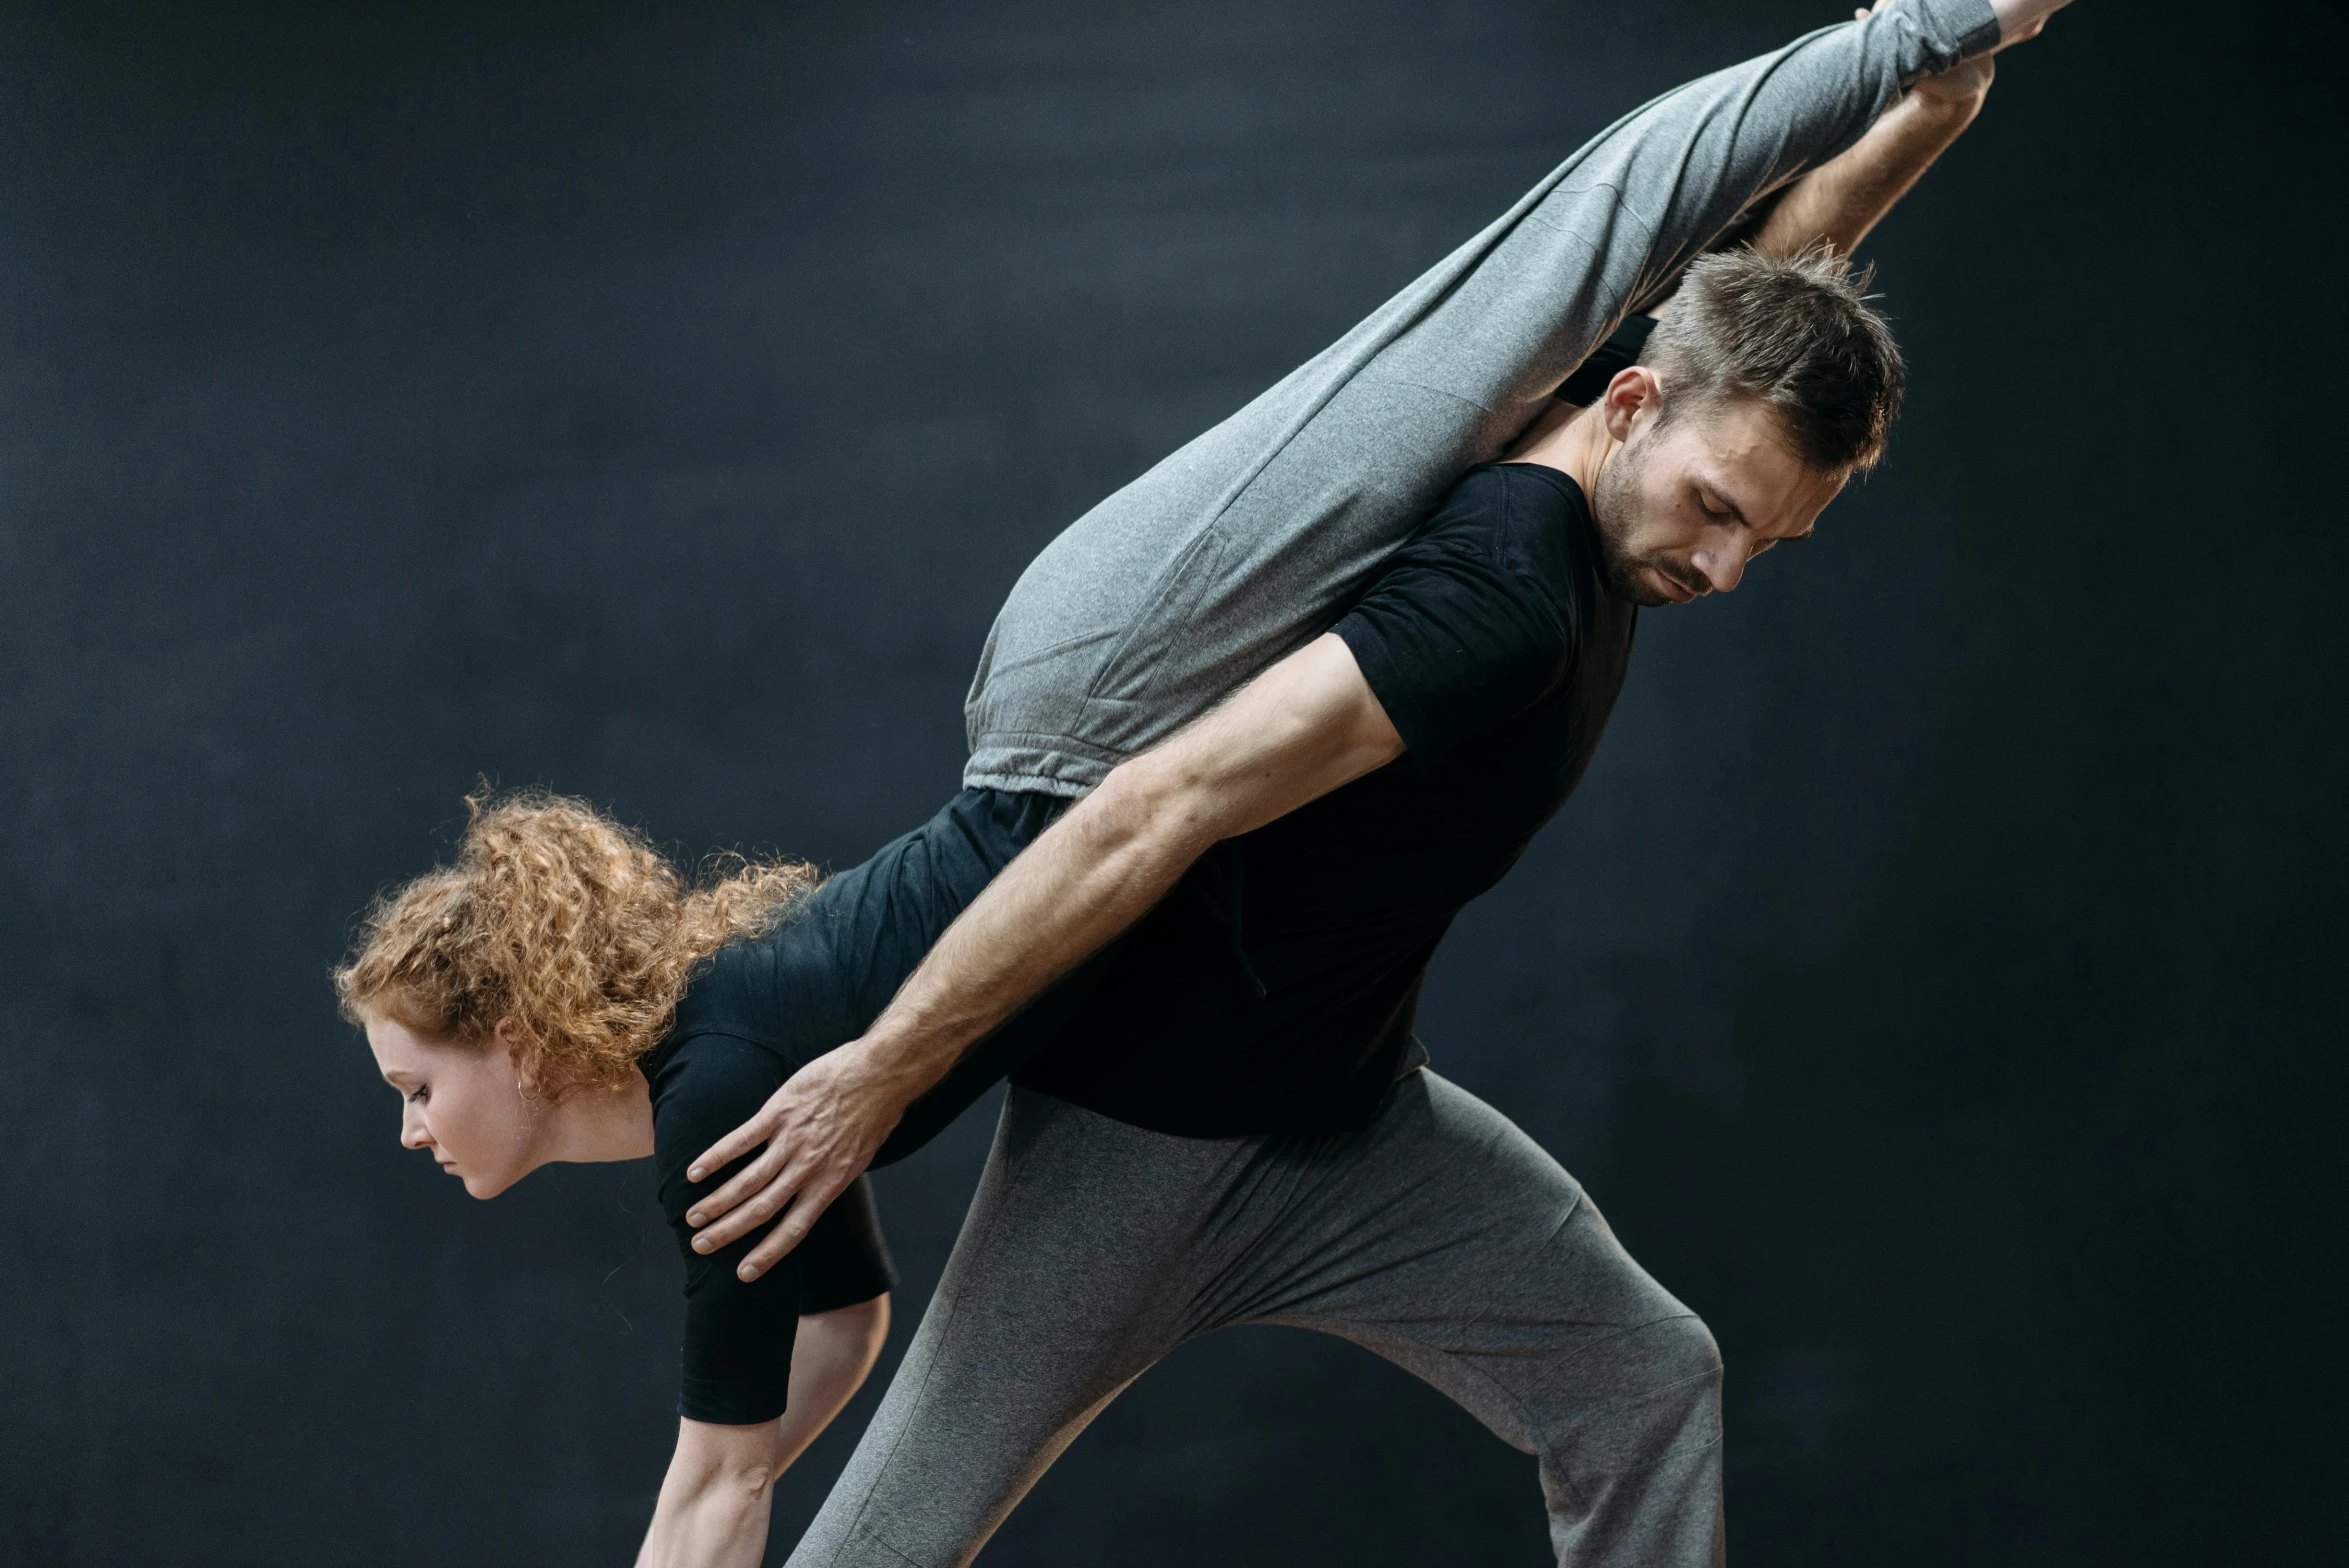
{"x":1274,"y":990}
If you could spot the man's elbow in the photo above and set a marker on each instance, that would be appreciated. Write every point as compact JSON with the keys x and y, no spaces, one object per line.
{"x":1155,"y":807}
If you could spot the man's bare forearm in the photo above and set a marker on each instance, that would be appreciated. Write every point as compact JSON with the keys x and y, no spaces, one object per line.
{"x":2021,"y":19}
{"x":1842,"y":199}
{"x":1301,"y":729}
{"x":1088,"y":877}
{"x":1307,"y":726}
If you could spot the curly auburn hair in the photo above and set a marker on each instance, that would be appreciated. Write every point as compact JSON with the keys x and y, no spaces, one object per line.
{"x":569,"y":928}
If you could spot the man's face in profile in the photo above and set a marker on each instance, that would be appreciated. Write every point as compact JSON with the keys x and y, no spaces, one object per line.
{"x":1687,"y":502}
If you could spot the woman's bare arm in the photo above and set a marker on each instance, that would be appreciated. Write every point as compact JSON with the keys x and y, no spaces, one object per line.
{"x":714,"y":1501}
{"x":1841,"y":200}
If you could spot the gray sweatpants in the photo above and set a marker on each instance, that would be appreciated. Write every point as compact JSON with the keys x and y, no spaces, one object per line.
{"x":1440,"y":1236}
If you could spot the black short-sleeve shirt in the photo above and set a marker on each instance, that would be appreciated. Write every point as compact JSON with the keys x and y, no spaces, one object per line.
{"x":736,"y":1359}
{"x":762,"y":1008}
{"x":1274,"y":990}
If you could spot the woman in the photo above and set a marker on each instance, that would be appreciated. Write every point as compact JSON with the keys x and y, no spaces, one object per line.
{"x":561,"y":993}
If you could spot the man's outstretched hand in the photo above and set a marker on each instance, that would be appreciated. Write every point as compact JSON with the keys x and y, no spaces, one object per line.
{"x":821,"y":1129}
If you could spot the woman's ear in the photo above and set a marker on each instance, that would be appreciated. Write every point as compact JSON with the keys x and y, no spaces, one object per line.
{"x":505,"y":1039}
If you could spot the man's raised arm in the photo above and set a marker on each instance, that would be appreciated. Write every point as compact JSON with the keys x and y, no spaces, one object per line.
{"x":1845,"y":197}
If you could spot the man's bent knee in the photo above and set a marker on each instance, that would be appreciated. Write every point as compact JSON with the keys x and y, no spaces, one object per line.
{"x":1650,"y":1392}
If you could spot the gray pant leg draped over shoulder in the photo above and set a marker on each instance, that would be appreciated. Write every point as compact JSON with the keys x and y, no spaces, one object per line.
{"x":1440,"y":1237}
{"x":1251,"y":540}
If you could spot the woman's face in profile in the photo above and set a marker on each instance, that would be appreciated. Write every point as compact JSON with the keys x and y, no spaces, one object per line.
{"x":461,"y":1101}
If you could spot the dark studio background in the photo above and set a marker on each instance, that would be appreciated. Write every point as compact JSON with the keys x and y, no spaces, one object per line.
{"x":1937,"y":980}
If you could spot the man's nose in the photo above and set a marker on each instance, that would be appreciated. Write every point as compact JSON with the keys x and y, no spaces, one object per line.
{"x":1722,"y":561}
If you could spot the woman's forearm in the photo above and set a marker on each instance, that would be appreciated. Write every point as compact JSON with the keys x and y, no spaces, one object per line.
{"x":714,"y":1501}
{"x":829,"y":1361}
{"x":1845,"y":197}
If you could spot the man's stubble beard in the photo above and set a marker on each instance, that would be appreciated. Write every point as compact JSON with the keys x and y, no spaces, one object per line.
{"x":1614,"y":506}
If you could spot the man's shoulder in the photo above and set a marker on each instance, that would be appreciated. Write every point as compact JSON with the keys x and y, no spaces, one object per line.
{"x":1535,"y":518}
{"x":1534,"y":484}
{"x":1495,"y":495}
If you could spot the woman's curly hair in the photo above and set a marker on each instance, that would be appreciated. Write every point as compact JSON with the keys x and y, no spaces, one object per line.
{"x":574,"y":931}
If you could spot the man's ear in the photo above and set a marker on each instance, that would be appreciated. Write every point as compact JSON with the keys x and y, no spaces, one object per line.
{"x":1634,"y":389}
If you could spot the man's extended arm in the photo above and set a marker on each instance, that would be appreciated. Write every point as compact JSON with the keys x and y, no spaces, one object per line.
{"x":1296,"y":732}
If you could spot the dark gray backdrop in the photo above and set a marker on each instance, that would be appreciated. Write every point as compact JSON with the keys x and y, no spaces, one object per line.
{"x":1938,"y":978}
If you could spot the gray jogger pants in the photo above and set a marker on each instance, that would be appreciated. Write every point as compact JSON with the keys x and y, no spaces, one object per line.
{"x":1440,"y":1236}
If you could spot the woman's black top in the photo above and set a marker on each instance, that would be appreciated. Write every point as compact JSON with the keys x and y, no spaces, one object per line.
{"x":762,"y":1008}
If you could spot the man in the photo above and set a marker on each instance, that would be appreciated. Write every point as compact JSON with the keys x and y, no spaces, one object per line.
{"x":1233,"y":1123}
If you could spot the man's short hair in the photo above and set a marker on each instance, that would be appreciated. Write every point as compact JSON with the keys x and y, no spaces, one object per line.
{"x":1796,"y":334}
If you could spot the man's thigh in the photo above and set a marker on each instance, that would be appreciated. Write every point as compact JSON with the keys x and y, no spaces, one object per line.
{"x":1451,"y":1243}
{"x":1441,"y":1237}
